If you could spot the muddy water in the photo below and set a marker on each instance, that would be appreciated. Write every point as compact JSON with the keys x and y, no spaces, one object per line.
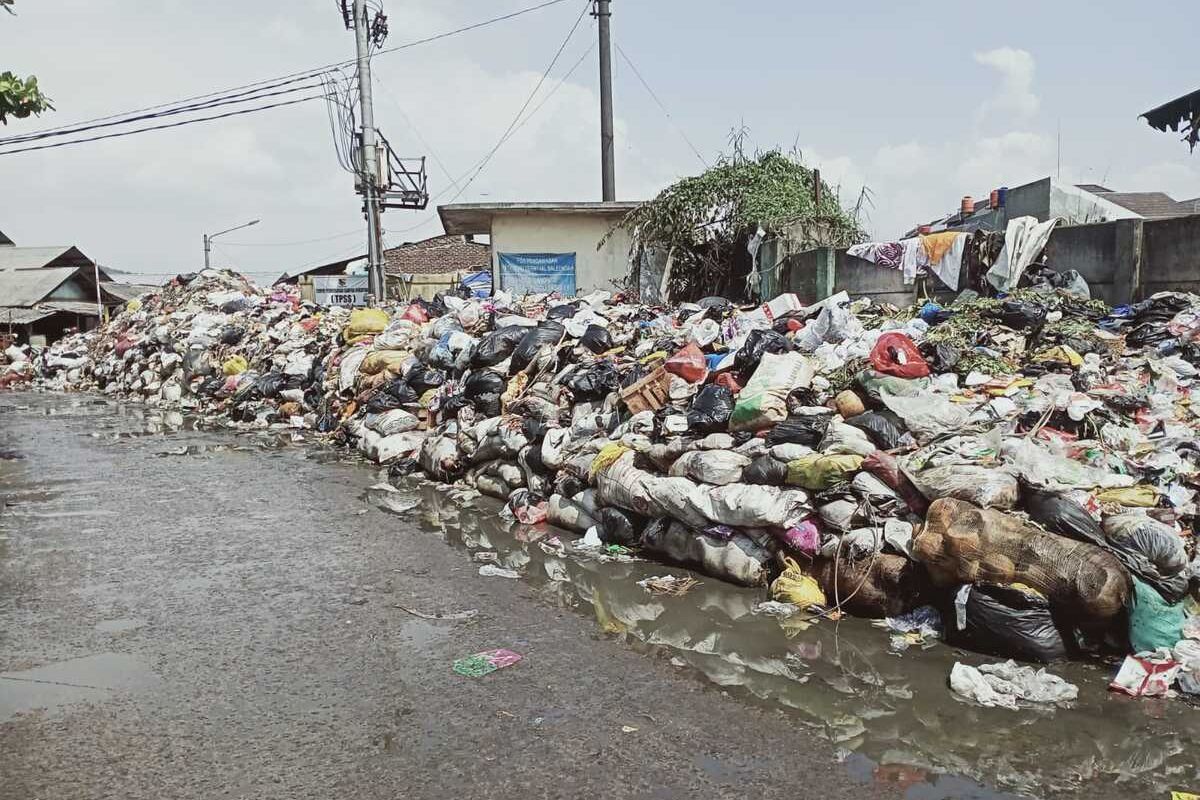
{"x":891,"y":713}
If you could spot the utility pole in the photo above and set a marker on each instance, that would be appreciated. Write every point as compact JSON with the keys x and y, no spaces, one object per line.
{"x":368,"y":168}
{"x":608,"y":173}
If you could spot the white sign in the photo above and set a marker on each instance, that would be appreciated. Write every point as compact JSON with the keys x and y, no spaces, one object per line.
{"x":340,"y":290}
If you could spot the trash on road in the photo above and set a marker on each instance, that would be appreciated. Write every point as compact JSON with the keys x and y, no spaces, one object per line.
{"x":485,"y":663}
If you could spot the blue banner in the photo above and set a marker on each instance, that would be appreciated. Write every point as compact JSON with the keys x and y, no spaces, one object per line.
{"x":525,"y":273}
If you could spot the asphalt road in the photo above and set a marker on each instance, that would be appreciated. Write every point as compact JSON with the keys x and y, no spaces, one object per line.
{"x":192,"y":616}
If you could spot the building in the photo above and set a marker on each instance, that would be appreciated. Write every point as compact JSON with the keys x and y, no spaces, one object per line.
{"x":541,"y":247}
{"x":414,"y":268}
{"x":1077,"y":204}
{"x":46,"y":291}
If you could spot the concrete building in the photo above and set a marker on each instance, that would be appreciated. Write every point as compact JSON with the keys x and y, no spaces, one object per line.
{"x":1077,"y":204}
{"x":541,"y":247}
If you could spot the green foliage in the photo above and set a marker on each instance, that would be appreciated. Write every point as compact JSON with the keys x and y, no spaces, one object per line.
{"x":20,"y":98}
{"x":736,"y":197}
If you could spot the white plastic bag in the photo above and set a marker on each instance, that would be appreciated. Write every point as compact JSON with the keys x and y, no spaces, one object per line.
{"x":710,"y":466}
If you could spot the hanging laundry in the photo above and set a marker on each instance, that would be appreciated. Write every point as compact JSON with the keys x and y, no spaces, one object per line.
{"x":937,"y":244}
{"x":914,"y":259}
{"x":948,"y":267}
{"x":885,"y":254}
{"x":1024,"y":240}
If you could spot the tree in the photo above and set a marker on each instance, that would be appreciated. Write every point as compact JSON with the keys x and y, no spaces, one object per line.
{"x":20,"y":97}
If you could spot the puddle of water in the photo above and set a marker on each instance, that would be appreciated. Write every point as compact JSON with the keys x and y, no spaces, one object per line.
{"x":894,"y":712}
{"x":54,"y":686}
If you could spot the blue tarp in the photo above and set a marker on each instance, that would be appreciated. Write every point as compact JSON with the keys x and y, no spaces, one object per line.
{"x":480,"y":283}
{"x":538,"y":272}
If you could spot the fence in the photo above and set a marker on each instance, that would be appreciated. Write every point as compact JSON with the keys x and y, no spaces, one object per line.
{"x":1123,"y":261}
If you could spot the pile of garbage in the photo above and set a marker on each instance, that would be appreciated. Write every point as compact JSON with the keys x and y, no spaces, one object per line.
{"x":1022,"y":469}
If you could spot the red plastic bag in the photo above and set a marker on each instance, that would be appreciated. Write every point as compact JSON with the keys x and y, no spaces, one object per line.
{"x":414,"y":313}
{"x":897,"y":355}
{"x":689,"y":364}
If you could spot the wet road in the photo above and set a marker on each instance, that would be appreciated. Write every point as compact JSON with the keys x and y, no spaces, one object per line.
{"x":203,"y":614}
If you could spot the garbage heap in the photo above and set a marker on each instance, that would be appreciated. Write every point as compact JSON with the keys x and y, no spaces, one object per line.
{"x":1024,"y":466}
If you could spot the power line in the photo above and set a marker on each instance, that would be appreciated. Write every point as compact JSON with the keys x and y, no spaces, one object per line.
{"x":660,"y":105}
{"x":479,"y":165}
{"x":161,"y":127}
{"x":306,"y":73}
{"x":289,"y":244}
{"x":241,"y":97}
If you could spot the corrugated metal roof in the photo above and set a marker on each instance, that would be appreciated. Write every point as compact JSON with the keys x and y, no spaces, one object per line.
{"x":28,"y":287}
{"x":23,"y":316}
{"x":127,"y":291}
{"x":34,"y":257}
{"x":70,"y":306}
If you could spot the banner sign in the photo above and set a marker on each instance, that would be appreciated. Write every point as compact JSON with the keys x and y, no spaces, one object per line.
{"x":538,"y":272}
{"x":340,"y":290}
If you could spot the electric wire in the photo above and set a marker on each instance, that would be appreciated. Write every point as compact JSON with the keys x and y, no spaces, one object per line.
{"x":663,"y":107}
{"x":289,"y":244}
{"x":478,"y":166}
{"x":301,"y":74}
{"x":162,"y":127}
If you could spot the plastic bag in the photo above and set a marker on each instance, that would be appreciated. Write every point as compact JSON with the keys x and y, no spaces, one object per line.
{"x":393,"y":395}
{"x":807,"y":430}
{"x":597,"y":339}
{"x":741,"y":505}
{"x":818,"y":471}
{"x":710,"y":466}
{"x":897,"y":355}
{"x":927,"y":415}
{"x":793,"y":586}
{"x":422,"y":379}
{"x":1159,"y":543}
{"x":763,"y":401}
{"x":483,"y":381}
{"x":759,"y":341}
{"x":766,"y":470}
{"x":689,"y":364}
{"x":710,"y":410}
{"x":547,"y":334}
{"x":841,"y":438}
{"x":234,"y":365}
{"x":365,"y":322}
{"x":883,"y":427}
{"x":1012,"y":621}
{"x":990,"y":488}
{"x":620,"y":527}
{"x":594,"y":382}
{"x":1153,"y":622}
{"x":737,"y":559}
{"x":497,"y":346}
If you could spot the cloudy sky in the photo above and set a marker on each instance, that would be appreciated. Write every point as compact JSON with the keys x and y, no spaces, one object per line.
{"x":921,"y":102}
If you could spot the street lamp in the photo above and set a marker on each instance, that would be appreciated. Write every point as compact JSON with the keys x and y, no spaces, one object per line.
{"x":209,"y":237}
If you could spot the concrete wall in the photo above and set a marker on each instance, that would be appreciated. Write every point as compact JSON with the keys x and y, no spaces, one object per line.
{"x":1170,"y":255}
{"x":565,"y":233}
{"x":1096,"y":252}
{"x":863,"y":279}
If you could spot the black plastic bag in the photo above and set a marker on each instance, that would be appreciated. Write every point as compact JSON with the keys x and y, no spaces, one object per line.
{"x":632,"y":375}
{"x":269,"y":385}
{"x":497,"y":346}
{"x":715,"y":302}
{"x":394,"y":395}
{"x":235,"y":305}
{"x":1022,"y":316}
{"x":807,"y":429}
{"x":762,"y":340}
{"x":451,"y":405}
{"x":597,"y":339}
{"x":547,"y":333}
{"x":402,"y":467}
{"x":232,"y":334}
{"x":487,"y":404}
{"x":710,"y":409}
{"x":210,"y":386}
{"x":884,"y":428}
{"x":942,"y":357}
{"x":422,"y":379}
{"x":593,"y":382}
{"x":620,"y":527}
{"x":196,"y":364}
{"x":483,"y":381}
{"x":1064,"y":517}
{"x":766,"y":471}
{"x":437,"y":306}
{"x":564,"y":311}
{"x":1005,"y":621}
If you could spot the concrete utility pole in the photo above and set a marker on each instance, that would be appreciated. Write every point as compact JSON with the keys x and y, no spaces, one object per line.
{"x":368,"y":171}
{"x":608,"y":172}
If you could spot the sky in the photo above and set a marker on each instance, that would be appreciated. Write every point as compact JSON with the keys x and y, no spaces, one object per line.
{"x":920,"y":103}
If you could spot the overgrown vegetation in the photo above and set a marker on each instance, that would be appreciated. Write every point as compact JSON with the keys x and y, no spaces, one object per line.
{"x":707,"y":220}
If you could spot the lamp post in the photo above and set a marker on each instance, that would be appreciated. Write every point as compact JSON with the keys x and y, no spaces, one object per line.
{"x":208,"y":237}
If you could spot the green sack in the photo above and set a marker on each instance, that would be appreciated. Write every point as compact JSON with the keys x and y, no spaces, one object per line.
{"x":1153,"y":622}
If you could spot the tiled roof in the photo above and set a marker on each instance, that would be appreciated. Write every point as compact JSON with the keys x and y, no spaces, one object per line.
{"x":1151,"y":205}
{"x":439,"y":254}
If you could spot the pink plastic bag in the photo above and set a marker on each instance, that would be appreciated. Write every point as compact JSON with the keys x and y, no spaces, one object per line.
{"x":689,"y":364}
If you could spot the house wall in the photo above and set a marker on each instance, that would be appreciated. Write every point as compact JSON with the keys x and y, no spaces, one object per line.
{"x":1096,"y":252}
{"x":565,"y":233}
